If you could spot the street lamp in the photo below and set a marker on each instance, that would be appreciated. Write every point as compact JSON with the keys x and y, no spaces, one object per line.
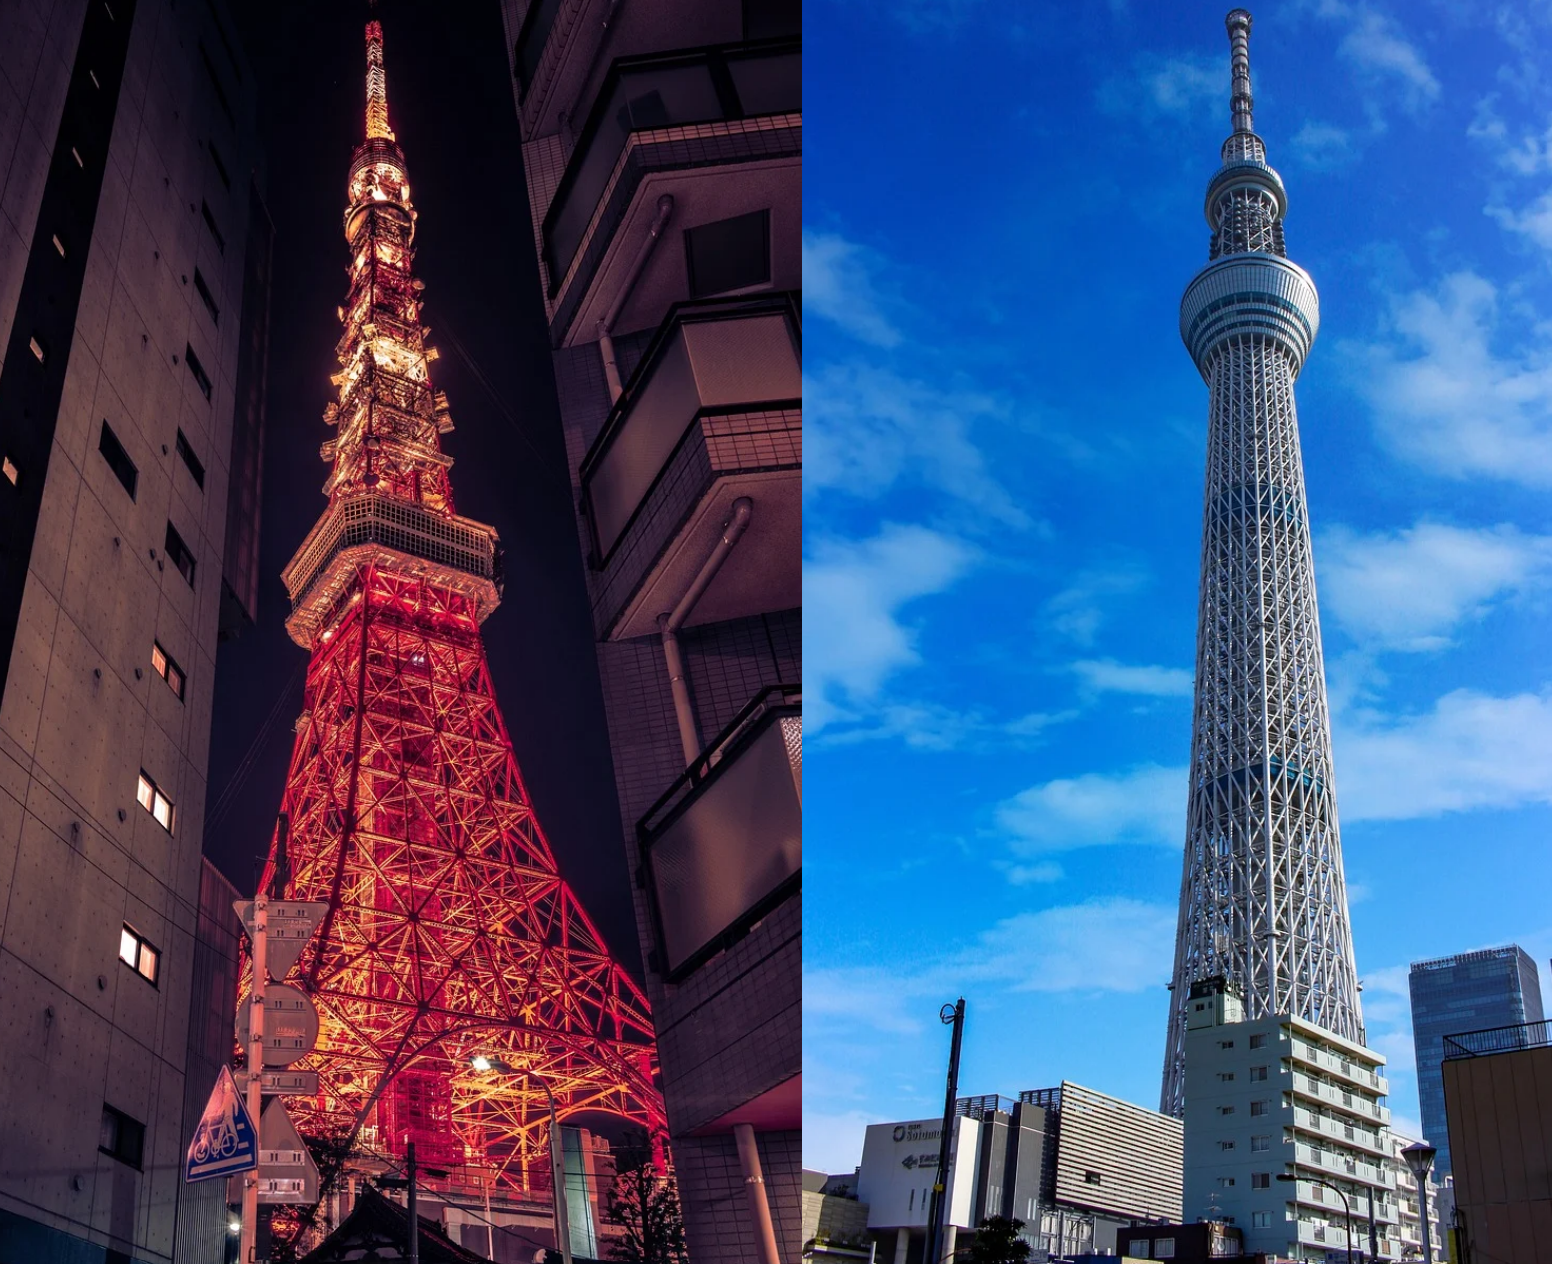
{"x":1419,"y":1158}
{"x":484,"y":1063}
{"x":1346,"y":1207}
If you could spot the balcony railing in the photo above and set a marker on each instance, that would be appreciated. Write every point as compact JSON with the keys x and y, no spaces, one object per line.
{"x":673,"y":90}
{"x":724,"y":845}
{"x":1475,"y":1044}
{"x":708,"y":357}
{"x":1342,"y":1098}
{"x":1372,"y":1080}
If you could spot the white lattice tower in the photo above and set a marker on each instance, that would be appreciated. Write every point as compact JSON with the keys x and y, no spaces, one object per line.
{"x":1262,"y":900}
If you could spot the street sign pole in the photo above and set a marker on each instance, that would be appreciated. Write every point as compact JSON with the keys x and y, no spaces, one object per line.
{"x":250,"y":1204}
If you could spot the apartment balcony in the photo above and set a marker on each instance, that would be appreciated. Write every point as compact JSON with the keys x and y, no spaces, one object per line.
{"x":1310,"y":1194}
{"x":712,"y":414}
{"x":724,"y":845}
{"x":1342,"y":1167}
{"x":717,"y":129}
{"x":1341,"y":1098}
{"x":1345,"y":1133}
{"x":1340,"y":1067}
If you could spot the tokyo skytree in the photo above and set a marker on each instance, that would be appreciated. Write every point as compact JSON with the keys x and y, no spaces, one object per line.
{"x":1262,"y":900}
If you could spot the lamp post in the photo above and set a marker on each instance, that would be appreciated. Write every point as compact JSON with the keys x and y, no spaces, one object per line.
{"x":482,"y":1062}
{"x":1346,"y":1206}
{"x":1419,"y":1158}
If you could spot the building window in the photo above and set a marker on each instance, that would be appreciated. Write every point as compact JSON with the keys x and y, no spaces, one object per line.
{"x":206,"y":296}
{"x":196,"y":466}
{"x":729,"y":254}
{"x":8,"y":468}
{"x":201,"y":378}
{"x":1258,"y":1108}
{"x":1225,"y":1044}
{"x":178,"y":553}
{"x":122,"y":1136}
{"x":1226,"y":1076}
{"x":1163,"y":1248}
{"x":163,"y":666}
{"x":1226,"y":1182}
{"x":1225,"y":1145}
{"x":1260,"y":1180}
{"x":139,"y":955}
{"x":1089,"y":1178}
{"x":1258,"y":1041}
{"x":1257,"y":1073}
{"x":220,"y":166}
{"x":154,"y":801}
{"x":1260,"y":1220}
{"x":1225,"y":1110}
{"x":37,"y":349}
{"x":210,"y":223}
{"x":1259,"y":1145}
{"x":118,"y":459}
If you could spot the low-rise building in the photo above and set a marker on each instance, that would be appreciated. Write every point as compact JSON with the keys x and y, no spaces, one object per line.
{"x":835,"y":1222}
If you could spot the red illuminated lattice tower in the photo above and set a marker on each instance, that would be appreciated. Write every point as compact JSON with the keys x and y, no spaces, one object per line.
{"x":450,"y":932}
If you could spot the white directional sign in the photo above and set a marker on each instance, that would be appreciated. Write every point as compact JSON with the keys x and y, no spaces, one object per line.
{"x":225,"y":1141}
{"x":290,"y":1025}
{"x":290,"y":924}
{"x":287,"y":1173}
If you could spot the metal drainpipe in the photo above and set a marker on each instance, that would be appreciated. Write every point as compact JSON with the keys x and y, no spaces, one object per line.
{"x":754,"y":1182}
{"x":670,"y":623}
{"x":665,"y":208}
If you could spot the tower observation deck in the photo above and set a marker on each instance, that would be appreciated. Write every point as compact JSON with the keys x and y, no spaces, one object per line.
{"x":1262,"y":900}
{"x":450,"y":932}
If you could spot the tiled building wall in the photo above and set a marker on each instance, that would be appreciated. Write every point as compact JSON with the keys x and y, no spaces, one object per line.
{"x":719,"y":1229}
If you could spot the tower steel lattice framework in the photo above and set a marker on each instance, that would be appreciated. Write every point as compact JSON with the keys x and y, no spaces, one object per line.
{"x":449,"y":930}
{"x":1262,"y":899}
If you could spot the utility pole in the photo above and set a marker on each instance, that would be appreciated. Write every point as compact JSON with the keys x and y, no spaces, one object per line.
{"x":950,"y":1015}
{"x":409,"y":1171}
{"x":250,"y":1202}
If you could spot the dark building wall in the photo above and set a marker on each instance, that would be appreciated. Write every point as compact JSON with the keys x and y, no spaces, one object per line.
{"x":1499,"y":1110}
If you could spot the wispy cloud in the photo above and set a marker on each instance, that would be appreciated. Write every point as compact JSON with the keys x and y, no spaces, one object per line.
{"x":1143,"y":805}
{"x":1078,"y":610}
{"x":1159,"y":86}
{"x":1471,"y":751}
{"x":840,"y":285}
{"x":1324,"y":146}
{"x":1380,"y":51}
{"x":1105,"y":675}
{"x":1411,"y":589}
{"x":875,"y":428}
{"x":853,"y":591}
{"x":1534,"y":220}
{"x":1445,"y":398}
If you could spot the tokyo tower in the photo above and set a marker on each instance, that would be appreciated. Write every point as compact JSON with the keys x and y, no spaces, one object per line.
{"x":1262,"y":901}
{"x":449,"y":932}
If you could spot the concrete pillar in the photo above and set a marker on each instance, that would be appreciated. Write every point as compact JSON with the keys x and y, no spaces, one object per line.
{"x":902,"y":1244}
{"x":754,"y":1182}
{"x":950,"y":1234}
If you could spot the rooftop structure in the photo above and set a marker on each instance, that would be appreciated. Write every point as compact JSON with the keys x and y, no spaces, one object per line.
{"x":1263,"y":902}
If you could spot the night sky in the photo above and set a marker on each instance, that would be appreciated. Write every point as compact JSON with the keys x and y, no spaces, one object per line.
{"x":450,"y":103}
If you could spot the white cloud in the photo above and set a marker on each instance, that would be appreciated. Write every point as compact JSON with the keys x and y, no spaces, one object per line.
{"x":1027,"y":875}
{"x":1324,"y":146}
{"x":1145,"y":805}
{"x":853,"y":994}
{"x":838,"y":286}
{"x":1105,"y":675}
{"x":852,"y":593}
{"x":1079,"y":609}
{"x":1167,"y":86}
{"x":1108,"y":945}
{"x":873,"y":428}
{"x":1378,"y":49}
{"x":1471,"y":752}
{"x":1411,"y":589}
{"x":1444,"y":398}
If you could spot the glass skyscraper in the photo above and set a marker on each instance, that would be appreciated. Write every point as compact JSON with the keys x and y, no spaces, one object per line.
{"x":1472,"y":991}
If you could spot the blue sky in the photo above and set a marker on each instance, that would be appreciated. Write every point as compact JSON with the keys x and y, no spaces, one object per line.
{"x":1003,"y":513}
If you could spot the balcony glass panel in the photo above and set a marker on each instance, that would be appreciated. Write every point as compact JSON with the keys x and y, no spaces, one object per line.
{"x":707,"y":359}
{"x":730,"y":845}
{"x":645,"y":93}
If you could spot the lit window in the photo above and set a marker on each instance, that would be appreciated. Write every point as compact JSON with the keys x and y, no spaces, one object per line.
{"x":36,"y":348}
{"x":155,"y":802}
{"x":59,"y":246}
{"x":138,"y":954}
{"x":8,"y":468}
{"x":163,"y":666}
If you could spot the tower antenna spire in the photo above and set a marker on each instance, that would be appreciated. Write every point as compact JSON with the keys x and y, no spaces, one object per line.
{"x":377,"y":85}
{"x":1240,"y":101}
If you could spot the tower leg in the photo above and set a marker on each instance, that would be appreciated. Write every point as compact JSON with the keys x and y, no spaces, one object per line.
{"x":754,"y":1182}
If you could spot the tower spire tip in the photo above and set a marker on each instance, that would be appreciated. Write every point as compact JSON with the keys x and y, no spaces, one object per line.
{"x":1240,"y":101}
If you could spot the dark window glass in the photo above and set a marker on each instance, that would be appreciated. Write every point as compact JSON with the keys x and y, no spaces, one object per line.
{"x":210,"y":223}
{"x":215,"y":83}
{"x":766,"y":19}
{"x":219,"y":165}
{"x":198,"y":370}
{"x":209,"y":299}
{"x":196,"y":468}
{"x":179,"y":554}
{"x":118,"y":459}
{"x":531,"y":39}
{"x":729,"y":254}
{"x":122,"y":1136}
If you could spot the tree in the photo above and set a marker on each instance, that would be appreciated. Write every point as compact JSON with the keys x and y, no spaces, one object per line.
{"x":997,"y":1241}
{"x":644,"y":1202}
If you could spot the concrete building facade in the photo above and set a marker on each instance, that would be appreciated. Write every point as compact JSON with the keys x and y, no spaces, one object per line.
{"x":1470,"y":991}
{"x":127,"y":129}
{"x":662,"y":146}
